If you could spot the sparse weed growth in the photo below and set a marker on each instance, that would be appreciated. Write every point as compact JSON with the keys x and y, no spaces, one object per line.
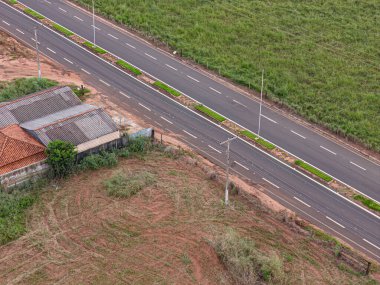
{"x":97,"y":161}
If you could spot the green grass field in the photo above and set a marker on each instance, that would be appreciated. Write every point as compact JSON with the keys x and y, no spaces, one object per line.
{"x":321,"y":59}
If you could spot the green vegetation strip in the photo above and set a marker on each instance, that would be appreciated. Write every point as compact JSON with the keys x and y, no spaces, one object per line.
{"x":260,"y":141}
{"x":34,"y":14}
{"x":313,"y":170}
{"x":129,"y":67}
{"x":94,"y":48}
{"x":368,"y":202}
{"x":63,"y":30}
{"x":210,"y":113}
{"x":167,"y":88}
{"x":13,"y":2}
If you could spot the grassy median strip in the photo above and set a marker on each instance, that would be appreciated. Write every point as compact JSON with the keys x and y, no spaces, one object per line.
{"x":34,"y":14}
{"x":13,"y":2}
{"x":210,"y":113}
{"x":126,"y":65}
{"x":167,"y":88}
{"x":94,"y":48}
{"x":313,"y":170}
{"x":62,"y":30}
{"x":368,"y":202}
{"x":260,"y":141}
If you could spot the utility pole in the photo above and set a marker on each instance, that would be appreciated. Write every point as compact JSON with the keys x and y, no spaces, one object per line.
{"x":93,"y":20}
{"x":261,"y":102}
{"x":228,"y":141}
{"x":38,"y":53}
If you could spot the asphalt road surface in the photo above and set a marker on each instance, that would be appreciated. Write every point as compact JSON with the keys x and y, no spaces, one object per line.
{"x":309,"y":199}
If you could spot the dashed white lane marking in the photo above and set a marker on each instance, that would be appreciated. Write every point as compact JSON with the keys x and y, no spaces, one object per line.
{"x":104,"y":82}
{"x":237,"y":102}
{"x":157,"y":123}
{"x":145,"y":107}
{"x":166,"y":120}
{"x":78,"y":18}
{"x":69,"y":61}
{"x":215,"y":90}
{"x":326,"y":149}
{"x":301,"y":136}
{"x":33,"y":39}
{"x":218,"y":151}
{"x":151,"y":56}
{"x":149,"y":118}
{"x":130,"y":45}
{"x":63,"y":10}
{"x":96,"y":28}
{"x":6,"y":23}
{"x":47,"y":1}
{"x":357,"y":165}
{"x":189,"y":134}
{"x":20,"y":31}
{"x":85,"y":71}
{"x":371,"y":243}
{"x":192,"y":78}
{"x":327,"y":217}
{"x":122,"y":93}
{"x":269,"y":119}
{"x":271,"y":183}
{"x":299,"y":200}
{"x":171,"y":66}
{"x":112,"y":36}
{"x":49,"y":49}
{"x":241,"y":165}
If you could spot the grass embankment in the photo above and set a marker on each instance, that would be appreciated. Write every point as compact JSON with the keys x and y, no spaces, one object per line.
{"x":129,"y":67}
{"x":10,"y":90}
{"x":210,"y":113}
{"x":166,"y":88}
{"x":313,"y":170}
{"x":368,"y":202}
{"x":34,"y":14}
{"x":319,"y":60}
{"x":94,"y":48}
{"x":62,"y":30}
{"x":260,"y":141}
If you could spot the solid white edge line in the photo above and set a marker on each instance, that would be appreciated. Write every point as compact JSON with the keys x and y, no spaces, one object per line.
{"x":327,"y":217}
{"x":279,"y":197}
{"x":241,"y":165}
{"x":196,"y":80}
{"x":149,"y":118}
{"x":374,"y":245}
{"x":130,"y":45}
{"x":69,"y":61}
{"x":78,"y":18}
{"x":102,"y":81}
{"x":299,"y":200}
{"x":357,"y":165}
{"x":85,"y":71}
{"x":145,"y":107}
{"x":151,"y":56}
{"x":326,"y":149}
{"x":298,"y":134}
{"x":112,"y":36}
{"x":269,"y":119}
{"x":170,"y":66}
{"x":158,"y":123}
{"x":20,"y":31}
{"x":6,"y":23}
{"x":215,"y":90}
{"x":271,"y":183}
{"x":218,"y":151}
{"x":49,"y":49}
{"x":63,"y":10}
{"x":166,"y":120}
{"x":204,"y":118}
{"x":189,"y":134}
{"x":122,"y":93}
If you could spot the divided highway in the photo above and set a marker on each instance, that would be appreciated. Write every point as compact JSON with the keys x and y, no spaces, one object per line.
{"x":308,"y":198}
{"x":336,"y":160}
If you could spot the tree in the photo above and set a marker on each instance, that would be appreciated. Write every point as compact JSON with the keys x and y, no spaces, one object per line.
{"x":61,"y":158}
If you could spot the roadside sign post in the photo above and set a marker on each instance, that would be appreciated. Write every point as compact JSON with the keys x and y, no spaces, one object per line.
{"x":227,"y":168}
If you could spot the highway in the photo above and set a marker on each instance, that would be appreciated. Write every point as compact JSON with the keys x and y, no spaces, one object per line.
{"x":335,"y":159}
{"x":309,"y":199}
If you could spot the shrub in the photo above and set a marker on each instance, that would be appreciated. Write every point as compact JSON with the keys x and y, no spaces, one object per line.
{"x":210,"y":113}
{"x":313,"y":170}
{"x":94,"y":48}
{"x":96,"y":161}
{"x":123,"y":186}
{"x":61,"y":158}
{"x":139,"y":145}
{"x":34,"y":14}
{"x":167,"y":88}
{"x":129,"y":67}
{"x":368,"y":202}
{"x":260,"y":141}
{"x":62,"y":30}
